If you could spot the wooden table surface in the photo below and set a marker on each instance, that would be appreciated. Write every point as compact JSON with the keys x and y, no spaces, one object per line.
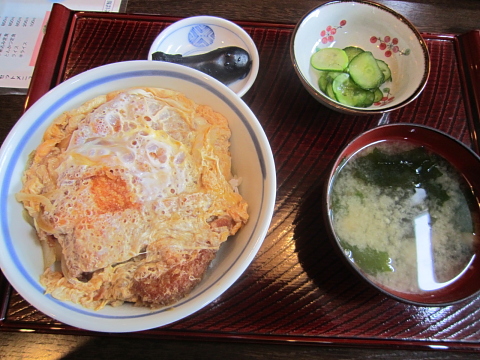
{"x":440,"y":16}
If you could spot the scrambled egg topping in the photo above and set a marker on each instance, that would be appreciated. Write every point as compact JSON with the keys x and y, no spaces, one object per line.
{"x":132,"y":194}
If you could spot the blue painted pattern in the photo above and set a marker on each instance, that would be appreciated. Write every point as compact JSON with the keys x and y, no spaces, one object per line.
{"x":201,"y":35}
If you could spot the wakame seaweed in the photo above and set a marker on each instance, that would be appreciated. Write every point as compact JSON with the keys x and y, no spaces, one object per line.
{"x":372,"y":261}
{"x":415,"y":168}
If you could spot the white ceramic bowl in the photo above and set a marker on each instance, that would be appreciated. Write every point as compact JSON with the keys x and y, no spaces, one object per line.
{"x":201,"y":34}
{"x":20,"y":254}
{"x":373,"y":27}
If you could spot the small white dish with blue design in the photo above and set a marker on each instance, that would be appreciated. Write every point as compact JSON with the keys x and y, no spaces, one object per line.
{"x":201,"y":34}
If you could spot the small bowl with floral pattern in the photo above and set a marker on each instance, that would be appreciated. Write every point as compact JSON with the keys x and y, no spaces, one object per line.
{"x":385,"y":37}
{"x":198,"y":35}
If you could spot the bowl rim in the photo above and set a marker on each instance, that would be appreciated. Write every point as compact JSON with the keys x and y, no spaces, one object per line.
{"x":333,"y":238}
{"x":334,"y":105}
{"x":221,"y":22}
{"x":21,"y":278}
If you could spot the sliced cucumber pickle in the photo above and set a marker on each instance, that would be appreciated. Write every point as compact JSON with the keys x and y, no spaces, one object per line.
{"x":349,"y":93}
{"x":352,"y":51}
{"x":378,"y":95}
{"x":323,"y":81}
{"x":385,"y":69}
{"x":329,"y":59}
{"x":369,"y":98}
{"x":331,"y":75}
{"x":351,"y":76}
{"x":365,"y":71}
{"x":329,"y":91}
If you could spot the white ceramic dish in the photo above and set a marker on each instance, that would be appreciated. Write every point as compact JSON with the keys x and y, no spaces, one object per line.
{"x":20,"y":254}
{"x":373,"y":27}
{"x":200,"y":34}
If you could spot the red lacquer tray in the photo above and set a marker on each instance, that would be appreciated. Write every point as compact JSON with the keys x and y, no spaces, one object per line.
{"x":296,"y":289}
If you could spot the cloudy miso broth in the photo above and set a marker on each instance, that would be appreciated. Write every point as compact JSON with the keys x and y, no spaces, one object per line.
{"x":404,"y":216}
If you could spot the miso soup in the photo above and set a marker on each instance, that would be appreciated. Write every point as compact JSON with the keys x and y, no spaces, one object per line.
{"x":404,"y":216}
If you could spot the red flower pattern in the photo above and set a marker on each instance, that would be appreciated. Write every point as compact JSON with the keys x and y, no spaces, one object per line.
{"x":328,"y":35}
{"x":389,"y":45}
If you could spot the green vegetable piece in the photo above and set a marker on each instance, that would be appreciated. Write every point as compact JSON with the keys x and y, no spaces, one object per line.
{"x":331,"y":75}
{"x":378,"y":95}
{"x":329,"y":59}
{"x":369,"y":98}
{"x":352,"y":51}
{"x":365,"y":71}
{"x":360,"y":75}
{"x":323,"y":81}
{"x":330,"y":92}
{"x":347,"y":92}
{"x":410,"y":169}
{"x":370,"y":260}
{"x":385,"y":69}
